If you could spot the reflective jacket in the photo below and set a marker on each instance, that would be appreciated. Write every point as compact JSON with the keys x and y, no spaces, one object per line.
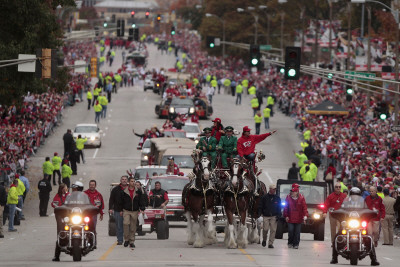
{"x":48,"y":168}
{"x":80,"y":143}
{"x":12,"y":197}
{"x":66,"y":171}
{"x":56,"y":161}
{"x":20,"y":188}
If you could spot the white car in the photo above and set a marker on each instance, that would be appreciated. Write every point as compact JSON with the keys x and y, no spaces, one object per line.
{"x":192,"y":130}
{"x":144,"y":154}
{"x":90,"y":131}
{"x":148,"y":83}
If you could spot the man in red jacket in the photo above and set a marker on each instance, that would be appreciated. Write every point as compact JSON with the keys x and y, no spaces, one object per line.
{"x":334,"y":202}
{"x":295,"y":213}
{"x":247,"y":143}
{"x":97,"y":200}
{"x":374,"y":202}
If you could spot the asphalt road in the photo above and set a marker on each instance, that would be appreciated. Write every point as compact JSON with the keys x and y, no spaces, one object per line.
{"x":132,"y":108}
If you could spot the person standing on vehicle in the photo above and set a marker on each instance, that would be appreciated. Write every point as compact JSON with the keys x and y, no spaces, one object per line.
{"x":3,"y":202}
{"x":97,"y":200}
{"x":333,"y":202}
{"x":66,"y":173}
{"x":295,"y":213}
{"x":131,"y":203}
{"x":208,"y":145}
{"x":115,"y":209}
{"x":158,"y":197}
{"x":44,"y":187}
{"x":80,"y":145}
{"x":56,"y":161}
{"x":228,"y":145}
{"x":374,"y":202}
{"x":387,"y":223}
{"x":293,"y":173}
{"x":12,"y":202}
{"x":172,"y":168}
{"x":270,"y":209}
{"x":47,"y":168}
{"x":247,"y":143}
{"x":58,"y":201}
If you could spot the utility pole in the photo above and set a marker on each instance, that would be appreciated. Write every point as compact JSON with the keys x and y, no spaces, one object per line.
{"x":282,"y":23}
{"x":330,"y":30}
{"x":255,"y":28}
{"x":369,"y":53}
{"x":348,"y":37}
{"x":396,"y":67}
{"x":303,"y":9}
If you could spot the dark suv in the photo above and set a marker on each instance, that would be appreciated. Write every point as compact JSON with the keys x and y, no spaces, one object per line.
{"x":315,"y":194}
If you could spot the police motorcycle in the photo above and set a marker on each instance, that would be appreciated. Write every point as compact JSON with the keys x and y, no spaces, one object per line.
{"x":77,"y":238}
{"x":353,"y":242}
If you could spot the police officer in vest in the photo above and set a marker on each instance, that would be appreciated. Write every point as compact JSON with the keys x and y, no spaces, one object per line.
{"x":158,"y":197}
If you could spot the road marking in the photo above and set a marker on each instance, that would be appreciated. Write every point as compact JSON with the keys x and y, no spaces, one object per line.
{"x":80,"y":179}
{"x":104,"y":134}
{"x":389,"y":259}
{"x":108,"y":121}
{"x":95,"y":153}
{"x":269,"y":177}
{"x":106,"y":128}
{"x":105,"y":255}
{"x":247,"y":255}
{"x":84,"y":173}
{"x":111,"y":110}
{"x":109,"y":115}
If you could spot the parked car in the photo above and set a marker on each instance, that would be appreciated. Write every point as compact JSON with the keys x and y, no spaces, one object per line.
{"x":315,"y":194}
{"x":90,"y":131}
{"x":173,"y":184}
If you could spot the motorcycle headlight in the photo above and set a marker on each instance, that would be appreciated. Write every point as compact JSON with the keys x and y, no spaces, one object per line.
{"x":171,"y":110}
{"x":191,"y":110}
{"x":66,"y":219}
{"x":354,"y":224}
{"x":92,"y":138}
{"x":76,"y":219}
{"x":317,"y":216}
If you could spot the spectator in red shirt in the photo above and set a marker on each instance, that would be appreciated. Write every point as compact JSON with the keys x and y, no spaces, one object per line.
{"x":374,"y":202}
{"x":97,"y":200}
{"x":172,"y":167}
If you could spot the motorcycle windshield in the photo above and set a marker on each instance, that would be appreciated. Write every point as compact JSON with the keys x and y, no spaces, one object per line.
{"x":354,"y":202}
{"x":77,"y":198}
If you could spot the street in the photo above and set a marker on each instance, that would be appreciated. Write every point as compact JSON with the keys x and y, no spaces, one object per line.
{"x":132,"y":108}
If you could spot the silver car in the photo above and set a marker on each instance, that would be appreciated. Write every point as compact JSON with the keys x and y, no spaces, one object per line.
{"x":90,"y":131}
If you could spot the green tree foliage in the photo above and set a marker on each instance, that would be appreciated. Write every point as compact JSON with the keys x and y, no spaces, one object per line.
{"x":27,"y":25}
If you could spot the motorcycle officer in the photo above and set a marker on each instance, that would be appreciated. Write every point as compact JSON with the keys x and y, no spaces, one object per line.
{"x":354,"y":191}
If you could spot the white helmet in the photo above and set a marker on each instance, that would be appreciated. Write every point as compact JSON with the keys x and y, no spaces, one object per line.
{"x":355,"y":191}
{"x":77,"y":184}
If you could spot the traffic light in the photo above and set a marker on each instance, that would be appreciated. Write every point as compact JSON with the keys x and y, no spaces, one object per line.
{"x":132,"y":14}
{"x":130,"y":34}
{"x":136,"y":34}
{"x":292,"y":63}
{"x":133,"y":25}
{"x":147,"y":14}
{"x":210,"y":41}
{"x":96,"y":31}
{"x":159,"y":18}
{"x":173,"y":30}
{"x":349,"y":93}
{"x":255,"y":55}
{"x":383,"y":111}
{"x":120,"y":28}
{"x":105,"y":24}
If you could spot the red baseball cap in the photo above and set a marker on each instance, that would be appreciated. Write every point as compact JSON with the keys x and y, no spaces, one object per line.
{"x":295,"y":187}
{"x":217,"y":120}
{"x":246,"y":129}
{"x":16,"y":175}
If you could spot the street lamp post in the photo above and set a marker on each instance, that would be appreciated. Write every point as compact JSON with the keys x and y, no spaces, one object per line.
{"x":268,"y":20}
{"x":223,"y":32}
{"x":255,"y":21}
{"x":396,"y":67}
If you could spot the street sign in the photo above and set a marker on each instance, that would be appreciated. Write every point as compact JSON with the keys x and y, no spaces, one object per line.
{"x":93,"y":67}
{"x":217,"y":41}
{"x":364,"y":74}
{"x":395,"y":128}
{"x":29,"y":66}
{"x":265,"y":47}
